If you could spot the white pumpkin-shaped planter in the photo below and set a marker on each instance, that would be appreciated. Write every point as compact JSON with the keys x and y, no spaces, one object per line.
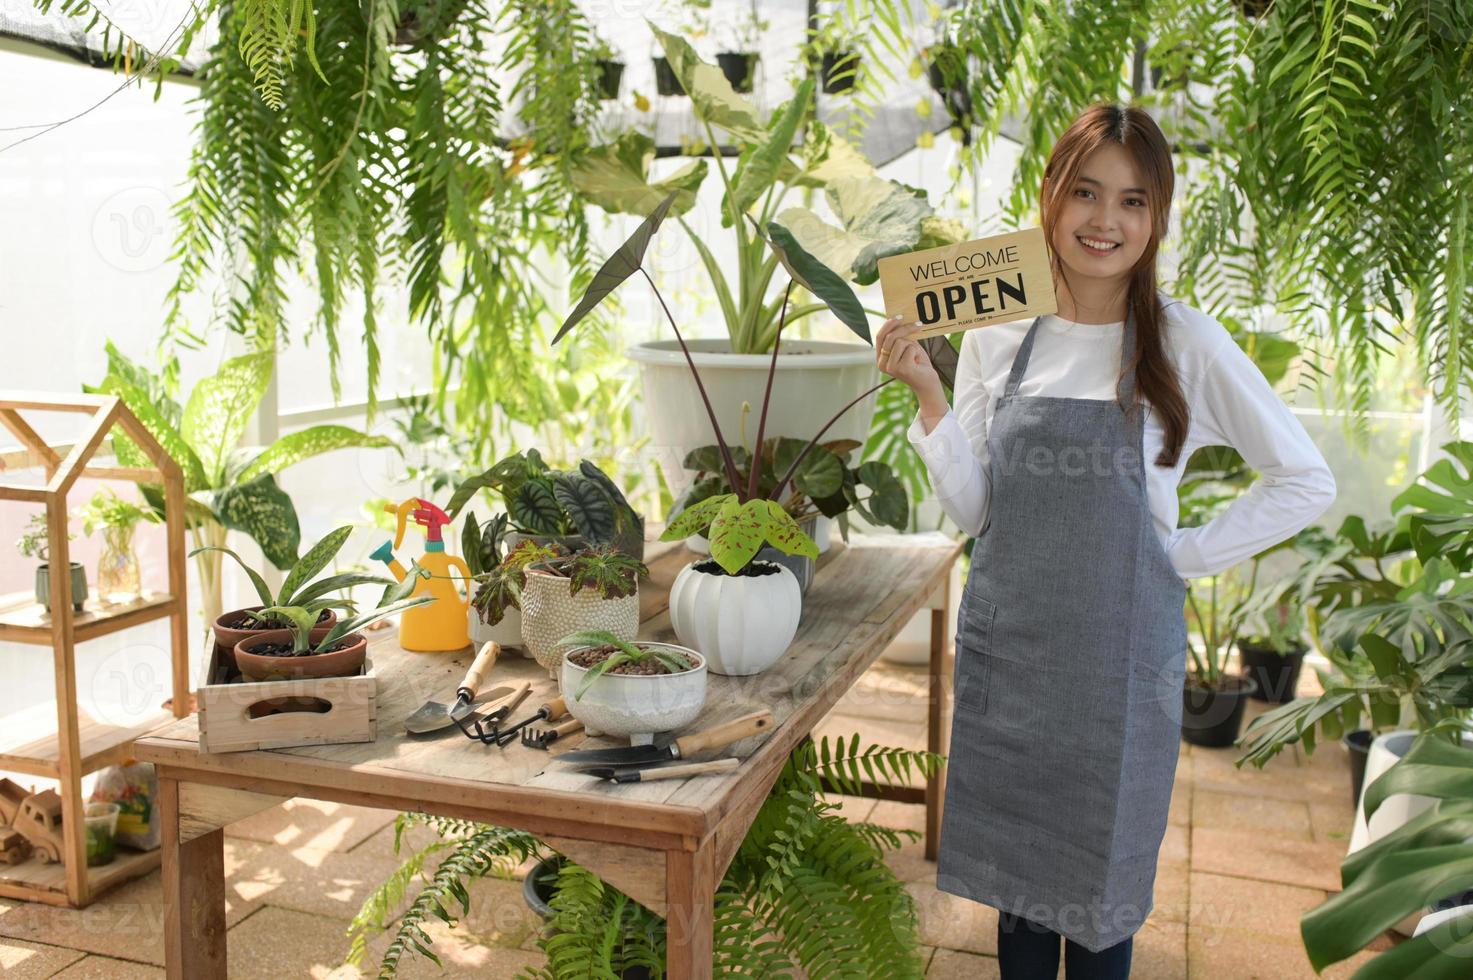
{"x":635,"y":705}
{"x":742,"y":623}
{"x":550,"y":612}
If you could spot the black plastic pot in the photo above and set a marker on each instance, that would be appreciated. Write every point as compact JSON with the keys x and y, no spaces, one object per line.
{"x":801,"y":566}
{"x":609,"y":75}
{"x":1211,"y":717}
{"x":739,"y":67}
{"x":1277,"y":675}
{"x":840,"y":72}
{"x":1358,"y":743}
{"x":665,"y":81}
{"x":537,"y":890}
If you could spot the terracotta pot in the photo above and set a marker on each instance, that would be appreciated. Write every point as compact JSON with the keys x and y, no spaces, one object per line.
{"x":550,"y":613}
{"x":227,"y":638}
{"x":339,"y":663}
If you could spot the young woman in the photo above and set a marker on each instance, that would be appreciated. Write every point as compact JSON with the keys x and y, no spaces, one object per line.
{"x":1062,"y":455}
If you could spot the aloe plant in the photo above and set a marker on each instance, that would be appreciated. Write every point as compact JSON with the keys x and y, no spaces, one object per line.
{"x":298,"y":589}
{"x":397,"y":598}
{"x":628,"y":653}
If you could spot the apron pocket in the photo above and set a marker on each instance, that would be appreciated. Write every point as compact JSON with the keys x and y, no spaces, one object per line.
{"x":973,"y":649}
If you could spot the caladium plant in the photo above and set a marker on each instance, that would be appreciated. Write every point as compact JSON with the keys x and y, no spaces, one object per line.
{"x":744,"y":518}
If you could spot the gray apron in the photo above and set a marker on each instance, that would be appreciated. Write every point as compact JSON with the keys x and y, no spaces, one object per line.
{"x":1070,"y":659}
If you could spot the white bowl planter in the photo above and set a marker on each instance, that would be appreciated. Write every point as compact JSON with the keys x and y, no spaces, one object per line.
{"x":549,"y":613}
{"x":636,"y":705}
{"x":507,"y":634}
{"x":814,"y":379}
{"x":742,"y":623}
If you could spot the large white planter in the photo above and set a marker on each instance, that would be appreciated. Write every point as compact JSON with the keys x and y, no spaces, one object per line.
{"x":815,"y":378}
{"x":742,"y":623}
{"x":507,"y":634}
{"x":550,"y":613}
{"x":636,"y":705}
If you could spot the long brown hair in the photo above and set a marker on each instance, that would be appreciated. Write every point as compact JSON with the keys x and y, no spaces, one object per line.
{"x":1134,"y":129}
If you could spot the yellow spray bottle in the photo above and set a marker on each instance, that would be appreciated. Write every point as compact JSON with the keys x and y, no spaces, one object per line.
{"x":443,"y":624}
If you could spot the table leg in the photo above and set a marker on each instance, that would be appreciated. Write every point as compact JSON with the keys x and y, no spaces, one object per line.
{"x":936,"y":694}
{"x":690,"y":894}
{"x":194,"y":895}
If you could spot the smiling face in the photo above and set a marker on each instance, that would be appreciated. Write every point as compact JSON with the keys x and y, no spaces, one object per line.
{"x":1104,"y":220}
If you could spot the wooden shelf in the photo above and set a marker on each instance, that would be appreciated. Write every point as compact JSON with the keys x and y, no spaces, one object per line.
{"x":36,"y":881}
{"x":24,"y":620}
{"x":23,"y":751}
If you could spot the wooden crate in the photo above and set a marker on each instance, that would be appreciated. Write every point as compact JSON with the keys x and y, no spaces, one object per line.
{"x":236,"y":715}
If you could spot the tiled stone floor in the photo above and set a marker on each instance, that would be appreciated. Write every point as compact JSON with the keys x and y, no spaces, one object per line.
{"x":1246,"y":853}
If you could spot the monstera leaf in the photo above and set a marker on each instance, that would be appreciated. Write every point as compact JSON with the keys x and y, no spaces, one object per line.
{"x":616,"y":178}
{"x":879,"y":217}
{"x":712,"y":98}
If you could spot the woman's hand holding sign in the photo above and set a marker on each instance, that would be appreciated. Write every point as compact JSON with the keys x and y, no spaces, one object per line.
{"x":903,"y":358}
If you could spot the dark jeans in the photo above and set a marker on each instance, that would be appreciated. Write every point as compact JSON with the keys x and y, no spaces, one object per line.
{"x":1029,"y":951}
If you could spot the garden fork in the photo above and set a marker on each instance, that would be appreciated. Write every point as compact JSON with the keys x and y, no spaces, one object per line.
{"x":540,"y":738}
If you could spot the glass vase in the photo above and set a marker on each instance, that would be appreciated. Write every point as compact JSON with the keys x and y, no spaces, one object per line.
{"x":118,"y":579}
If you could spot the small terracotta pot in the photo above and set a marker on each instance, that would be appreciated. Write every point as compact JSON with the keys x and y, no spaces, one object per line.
{"x":340,"y":663}
{"x":227,"y":638}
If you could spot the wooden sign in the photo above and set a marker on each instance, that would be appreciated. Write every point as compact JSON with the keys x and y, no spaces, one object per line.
{"x":971,"y":284}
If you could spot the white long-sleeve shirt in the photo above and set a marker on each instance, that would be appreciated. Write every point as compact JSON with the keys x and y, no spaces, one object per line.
{"x":1231,"y":403}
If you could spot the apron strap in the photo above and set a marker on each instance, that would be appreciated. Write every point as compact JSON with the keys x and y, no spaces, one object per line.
{"x":1123,"y":390}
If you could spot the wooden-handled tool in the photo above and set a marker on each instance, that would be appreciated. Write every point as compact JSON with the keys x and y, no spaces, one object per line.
{"x":550,"y":711}
{"x":433,"y":716}
{"x":644,"y":755}
{"x":541,"y":738}
{"x":627,"y":774}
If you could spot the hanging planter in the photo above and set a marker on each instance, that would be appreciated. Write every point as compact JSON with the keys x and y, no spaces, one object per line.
{"x":610,"y":73}
{"x":840,"y":71}
{"x":1276,"y":674}
{"x":666,"y":82}
{"x":739,"y":67}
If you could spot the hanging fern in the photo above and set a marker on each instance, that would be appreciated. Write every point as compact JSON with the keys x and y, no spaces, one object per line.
{"x":806,"y":889}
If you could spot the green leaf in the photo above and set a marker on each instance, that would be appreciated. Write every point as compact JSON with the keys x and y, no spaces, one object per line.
{"x":761,"y":169}
{"x":220,"y":408}
{"x":616,"y":178}
{"x":821,"y":474}
{"x":141,"y":405}
{"x":818,"y":279}
{"x":262,"y":509}
{"x":585,"y":502}
{"x":707,"y":459}
{"x":887,"y":501}
{"x":335,"y":583}
{"x":293,"y":448}
{"x":712,"y":98}
{"x":878,"y":217}
{"x":302,"y":620}
{"x":1431,"y":767}
{"x":737,"y":533}
{"x":624,"y":515}
{"x":534,"y":507}
{"x":695,"y":518}
{"x":314,"y":561}
{"x":784,"y":534}
{"x":621,"y":265}
{"x":1384,"y":656}
{"x":262,"y":589}
{"x":366,"y":619}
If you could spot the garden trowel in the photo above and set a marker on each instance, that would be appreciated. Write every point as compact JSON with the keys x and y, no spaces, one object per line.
{"x":680,"y":748}
{"x":433,"y":715}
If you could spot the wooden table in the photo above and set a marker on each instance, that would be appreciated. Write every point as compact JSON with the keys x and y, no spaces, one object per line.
{"x":665,"y":843}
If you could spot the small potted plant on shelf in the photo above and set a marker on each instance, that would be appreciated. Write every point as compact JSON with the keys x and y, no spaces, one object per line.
{"x":35,"y":543}
{"x":610,"y":69}
{"x":741,"y":612}
{"x":571,"y":508}
{"x":297,"y":590}
{"x":593,"y":588}
{"x":118,"y":577}
{"x":630,"y":688}
{"x":293,"y":652}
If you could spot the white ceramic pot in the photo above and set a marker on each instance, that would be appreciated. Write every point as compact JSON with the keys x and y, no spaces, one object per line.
{"x":1434,"y":919}
{"x":636,"y":705}
{"x":507,"y":633}
{"x":814,"y":379}
{"x":549,"y":613}
{"x":742,"y":623}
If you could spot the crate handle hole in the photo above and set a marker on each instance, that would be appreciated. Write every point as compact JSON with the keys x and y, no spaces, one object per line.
{"x":283,"y":706}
